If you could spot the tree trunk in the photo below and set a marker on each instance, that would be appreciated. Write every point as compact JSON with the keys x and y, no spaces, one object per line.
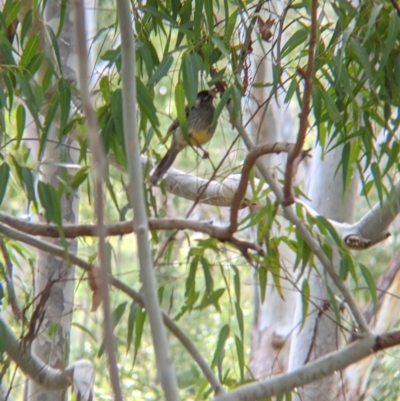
{"x":321,"y":333}
{"x":54,"y":278}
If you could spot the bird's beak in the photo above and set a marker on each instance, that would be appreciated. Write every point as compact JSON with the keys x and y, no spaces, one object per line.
{"x":212,"y":92}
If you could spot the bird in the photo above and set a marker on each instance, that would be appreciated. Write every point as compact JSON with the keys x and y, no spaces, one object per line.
{"x":200,"y":130}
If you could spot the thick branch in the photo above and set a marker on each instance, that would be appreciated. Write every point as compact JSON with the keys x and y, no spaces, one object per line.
{"x":305,"y":110}
{"x":313,"y":371}
{"x":374,"y":225}
{"x":52,"y":379}
{"x":126,"y":227}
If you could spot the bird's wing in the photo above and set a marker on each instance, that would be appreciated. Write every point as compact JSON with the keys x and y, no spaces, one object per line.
{"x":175,"y":123}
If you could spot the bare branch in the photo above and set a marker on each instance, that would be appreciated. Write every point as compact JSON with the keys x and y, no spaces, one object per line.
{"x":248,"y":164}
{"x":99,"y":170}
{"x":313,"y":371}
{"x":126,"y":227}
{"x":305,"y":110}
{"x":41,"y":373}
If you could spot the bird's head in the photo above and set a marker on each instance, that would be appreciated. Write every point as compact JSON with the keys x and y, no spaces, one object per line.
{"x":206,"y":96}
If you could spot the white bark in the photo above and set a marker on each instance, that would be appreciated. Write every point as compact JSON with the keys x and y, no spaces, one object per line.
{"x":50,"y":270}
{"x":165,"y":366}
{"x":321,"y":333}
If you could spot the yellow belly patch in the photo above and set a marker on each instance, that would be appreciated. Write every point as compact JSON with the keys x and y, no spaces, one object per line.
{"x":200,"y":137}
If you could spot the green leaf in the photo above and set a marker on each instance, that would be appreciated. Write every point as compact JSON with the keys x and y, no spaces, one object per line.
{"x":4,"y":176}
{"x":180,"y":107}
{"x":391,"y":38}
{"x":191,"y":278}
{"x":221,"y":105}
{"x":63,"y":10}
{"x":371,"y":285}
{"x":297,"y":39}
{"x":222,"y":337}
{"x":139,"y":324}
{"x":20,"y":116}
{"x":347,"y":169}
{"x":131,"y":324}
{"x":54,"y":46}
{"x":240,"y":356}
{"x":34,"y":64}
{"x":105,"y":89}
{"x":50,"y":200}
{"x":207,"y":275}
{"x":334,"y":304}
{"x":3,"y":337}
{"x":291,"y":90}
{"x":240,"y":320}
{"x":53,"y":329}
{"x":51,"y":113}
{"x":262,"y":281}
{"x":85,"y":329}
{"x":26,"y":25}
{"x":146,"y":103}
{"x":362,"y":57}
{"x":305,"y":298}
{"x":322,"y":222}
{"x":331,"y":108}
{"x":218,"y":42}
{"x":30,"y":49}
{"x":376,"y":174}
{"x":198,"y":17}
{"x":208,"y":8}
{"x":157,"y":13}
{"x":11,"y":11}
{"x":161,"y":70}
{"x":28,"y":182}
{"x":65,"y":101}
{"x":79,"y":177}
{"x":190,"y":73}
{"x":116,"y":112}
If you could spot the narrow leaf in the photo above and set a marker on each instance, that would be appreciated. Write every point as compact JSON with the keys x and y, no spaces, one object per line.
{"x":131,"y":324}
{"x":371,"y":285}
{"x":4,"y":176}
{"x":222,"y":337}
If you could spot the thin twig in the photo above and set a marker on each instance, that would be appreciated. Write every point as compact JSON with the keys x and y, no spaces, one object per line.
{"x":305,"y":110}
{"x":8,"y":276}
{"x":248,"y":164}
{"x":165,"y":366}
{"x":99,"y":170}
{"x":396,"y":6}
{"x":130,"y":292}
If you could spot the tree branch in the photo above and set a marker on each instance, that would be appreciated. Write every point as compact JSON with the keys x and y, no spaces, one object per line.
{"x":98,"y":173}
{"x":313,"y":371}
{"x":126,"y":227}
{"x":305,"y":110}
{"x":248,"y":164}
{"x":52,"y":379}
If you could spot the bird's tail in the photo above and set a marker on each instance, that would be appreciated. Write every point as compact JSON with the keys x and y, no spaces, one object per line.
{"x":165,"y":164}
